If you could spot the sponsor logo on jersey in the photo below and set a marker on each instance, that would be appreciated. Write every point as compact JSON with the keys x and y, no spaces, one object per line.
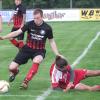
{"x":42,"y":32}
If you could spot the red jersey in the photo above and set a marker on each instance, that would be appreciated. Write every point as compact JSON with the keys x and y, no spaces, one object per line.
{"x":61,"y":79}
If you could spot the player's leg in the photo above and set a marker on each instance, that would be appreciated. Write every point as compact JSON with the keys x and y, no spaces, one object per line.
{"x":33,"y":70}
{"x":81,"y":86}
{"x":13,"y":69}
{"x":21,"y":58}
{"x":37,"y":57}
{"x":91,"y":73}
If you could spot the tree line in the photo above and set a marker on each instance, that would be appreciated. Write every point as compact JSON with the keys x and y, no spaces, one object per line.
{"x":30,"y":4}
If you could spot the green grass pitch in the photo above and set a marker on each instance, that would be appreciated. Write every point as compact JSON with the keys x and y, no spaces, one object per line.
{"x":71,"y":38}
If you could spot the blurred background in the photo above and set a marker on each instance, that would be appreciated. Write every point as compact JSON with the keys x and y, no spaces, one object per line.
{"x":48,"y":4}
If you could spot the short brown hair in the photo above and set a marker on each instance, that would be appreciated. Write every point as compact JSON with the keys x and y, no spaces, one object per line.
{"x":61,"y":62}
{"x":38,"y":11}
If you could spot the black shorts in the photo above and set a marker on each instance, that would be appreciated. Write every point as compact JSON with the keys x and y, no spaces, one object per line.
{"x":19,"y":37}
{"x":27,"y":53}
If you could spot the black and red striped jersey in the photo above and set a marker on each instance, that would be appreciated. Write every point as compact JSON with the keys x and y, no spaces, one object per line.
{"x":37,"y":35}
{"x":18,"y":15}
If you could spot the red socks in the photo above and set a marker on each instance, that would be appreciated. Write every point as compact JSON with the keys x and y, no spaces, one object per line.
{"x":33,"y":70}
{"x":16,"y":43}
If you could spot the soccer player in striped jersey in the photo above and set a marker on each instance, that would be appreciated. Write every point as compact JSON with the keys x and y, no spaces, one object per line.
{"x":38,"y":32}
{"x":63,"y":77}
{"x":18,"y":19}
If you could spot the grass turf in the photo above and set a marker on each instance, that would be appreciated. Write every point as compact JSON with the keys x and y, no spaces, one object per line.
{"x":71,"y":39}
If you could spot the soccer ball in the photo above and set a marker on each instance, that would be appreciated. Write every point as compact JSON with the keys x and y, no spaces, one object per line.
{"x":4,"y":86}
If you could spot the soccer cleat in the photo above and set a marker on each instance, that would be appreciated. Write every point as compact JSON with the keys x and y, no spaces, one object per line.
{"x":12,"y":77}
{"x":24,"y":86}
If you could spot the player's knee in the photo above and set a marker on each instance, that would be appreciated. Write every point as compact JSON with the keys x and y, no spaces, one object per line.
{"x":13,"y":65}
{"x":38,"y":59}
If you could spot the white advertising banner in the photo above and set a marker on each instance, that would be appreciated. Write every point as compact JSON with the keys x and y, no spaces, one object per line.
{"x":49,"y":15}
{"x":61,"y":15}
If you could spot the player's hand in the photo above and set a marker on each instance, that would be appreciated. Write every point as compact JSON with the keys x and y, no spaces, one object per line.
{"x":22,"y":25}
{"x":61,"y":56}
{"x":68,"y":87}
{"x":9,"y":23}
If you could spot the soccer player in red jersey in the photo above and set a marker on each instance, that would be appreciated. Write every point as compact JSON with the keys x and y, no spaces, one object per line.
{"x":18,"y":19}
{"x":63,"y":77}
{"x":38,"y":32}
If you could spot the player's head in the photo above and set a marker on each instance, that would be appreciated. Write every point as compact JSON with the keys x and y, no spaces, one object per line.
{"x":17,"y":2}
{"x":38,"y":16}
{"x":61,"y":63}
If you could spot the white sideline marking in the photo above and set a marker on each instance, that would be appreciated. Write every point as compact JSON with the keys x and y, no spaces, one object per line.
{"x":86,"y":50}
{"x":49,"y":90}
{"x":45,"y":94}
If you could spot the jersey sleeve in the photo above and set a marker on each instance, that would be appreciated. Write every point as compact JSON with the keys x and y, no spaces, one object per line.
{"x":50,"y":33}
{"x":72,"y":75}
{"x":71,"y":71}
{"x":25,"y":27}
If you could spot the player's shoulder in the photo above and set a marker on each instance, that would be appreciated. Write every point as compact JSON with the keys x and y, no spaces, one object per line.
{"x":52,"y":67}
{"x":21,"y":6}
{"x":68,"y":67}
{"x":47,"y":25}
{"x":30,"y":22}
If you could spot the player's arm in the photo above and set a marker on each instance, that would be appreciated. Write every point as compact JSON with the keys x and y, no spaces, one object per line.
{"x":11,"y":19}
{"x":53,"y":46}
{"x":23,"y":21}
{"x":71,"y":71}
{"x":52,"y":42}
{"x":11,"y":35}
{"x":23,"y":10}
{"x":0,"y":24}
{"x":15,"y":33}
